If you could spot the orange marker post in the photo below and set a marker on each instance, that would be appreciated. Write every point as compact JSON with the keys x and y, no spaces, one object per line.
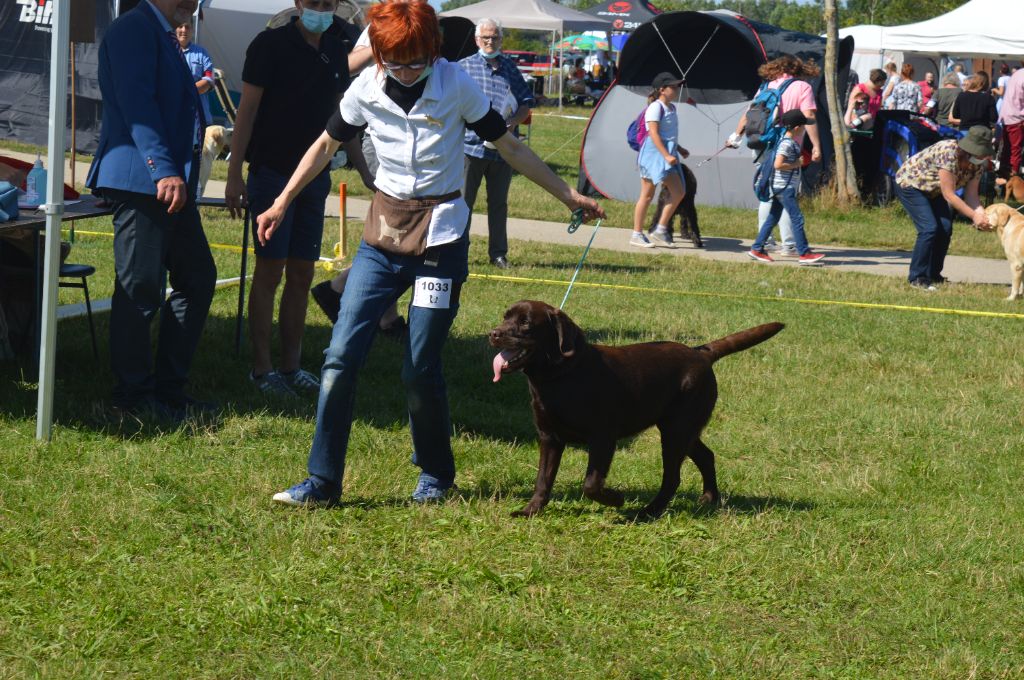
{"x":344,"y":209}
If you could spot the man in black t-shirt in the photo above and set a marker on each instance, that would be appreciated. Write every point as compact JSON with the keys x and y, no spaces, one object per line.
{"x":292,"y":81}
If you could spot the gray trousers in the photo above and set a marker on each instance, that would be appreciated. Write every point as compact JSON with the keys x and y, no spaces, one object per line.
{"x":498,"y":174}
{"x":151,"y":246}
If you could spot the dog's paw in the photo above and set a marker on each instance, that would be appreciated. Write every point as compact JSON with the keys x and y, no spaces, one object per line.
{"x":610,"y":497}
{"x":528,"y":511}
{"x":711,"y":499}
{"x":650,"y":512}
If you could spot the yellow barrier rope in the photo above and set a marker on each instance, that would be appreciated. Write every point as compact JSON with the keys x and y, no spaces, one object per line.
{"x":333,"y":265}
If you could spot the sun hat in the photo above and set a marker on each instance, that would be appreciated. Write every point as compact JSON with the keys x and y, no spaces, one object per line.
{"x":978,"y":142}
{"x":664,"y":79}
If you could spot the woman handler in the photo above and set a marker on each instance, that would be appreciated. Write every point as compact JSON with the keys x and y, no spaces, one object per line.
{"x":927,"y":184}
{"x":415,"y":106}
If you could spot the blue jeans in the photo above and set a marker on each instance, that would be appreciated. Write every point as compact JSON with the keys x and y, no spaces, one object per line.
{"x":376,"y":280}
{"x":785,"y":199}
{"x":934,"y":223}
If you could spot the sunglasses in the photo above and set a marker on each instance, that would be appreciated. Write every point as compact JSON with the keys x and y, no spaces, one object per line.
{"x":414,"y":66}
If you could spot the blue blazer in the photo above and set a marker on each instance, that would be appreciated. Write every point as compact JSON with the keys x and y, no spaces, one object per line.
{"x":149,"y":108}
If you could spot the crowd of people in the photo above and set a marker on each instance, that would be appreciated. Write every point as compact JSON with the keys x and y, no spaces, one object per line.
{"x":959,"y":101}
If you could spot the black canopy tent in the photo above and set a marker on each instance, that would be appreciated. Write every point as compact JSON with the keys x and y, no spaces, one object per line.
{"x":25,"y":27}
{"x":719,"y":52}
{"x":625,"y":15}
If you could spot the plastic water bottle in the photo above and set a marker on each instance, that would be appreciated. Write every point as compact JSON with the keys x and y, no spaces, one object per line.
{"x":35,"y":183}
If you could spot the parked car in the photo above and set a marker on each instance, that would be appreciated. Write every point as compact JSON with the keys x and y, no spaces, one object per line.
{"x":529,"y":62}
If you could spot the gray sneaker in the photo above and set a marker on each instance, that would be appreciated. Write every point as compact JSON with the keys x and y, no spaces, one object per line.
{"x":271,"y":383}
{"x":301,"y":381}
{"x":663,"y":237}
{"x":640,"y":240}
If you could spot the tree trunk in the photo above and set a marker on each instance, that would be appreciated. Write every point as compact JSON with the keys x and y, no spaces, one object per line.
{"x":846,"y":176}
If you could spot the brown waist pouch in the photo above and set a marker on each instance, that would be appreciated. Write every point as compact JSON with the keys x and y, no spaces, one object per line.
{"x":400,"y":226}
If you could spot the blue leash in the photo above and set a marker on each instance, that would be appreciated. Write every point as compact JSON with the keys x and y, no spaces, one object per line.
{"x":577,"y":220}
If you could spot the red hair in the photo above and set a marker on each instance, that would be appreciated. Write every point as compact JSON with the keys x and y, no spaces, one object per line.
{"x":404,"y":31}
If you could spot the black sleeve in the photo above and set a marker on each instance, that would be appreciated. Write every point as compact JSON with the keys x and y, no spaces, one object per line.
{"x":489,"y":128}
{"x":341,"y":131}
{"x":258,"y":68}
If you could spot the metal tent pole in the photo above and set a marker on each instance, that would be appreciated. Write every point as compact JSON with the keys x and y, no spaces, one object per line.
{"x":54,"y":206}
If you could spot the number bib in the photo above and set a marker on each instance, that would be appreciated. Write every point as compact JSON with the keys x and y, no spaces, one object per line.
{"x":432,"y":293}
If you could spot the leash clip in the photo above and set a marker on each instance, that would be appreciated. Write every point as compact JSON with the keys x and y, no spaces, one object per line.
{"x":576,"y":221}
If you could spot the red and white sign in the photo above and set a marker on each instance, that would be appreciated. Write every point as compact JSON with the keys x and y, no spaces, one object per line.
{"x":38,"y":12}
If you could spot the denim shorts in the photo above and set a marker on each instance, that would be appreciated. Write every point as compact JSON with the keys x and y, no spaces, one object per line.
{"x":301,"y":232}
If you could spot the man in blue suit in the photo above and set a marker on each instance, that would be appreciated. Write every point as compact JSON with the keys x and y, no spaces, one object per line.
{"x":147,"y":167}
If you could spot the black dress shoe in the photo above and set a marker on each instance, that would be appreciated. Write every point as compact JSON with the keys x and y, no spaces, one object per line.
{"x":327,"y":300}
{"x":500,"y":262}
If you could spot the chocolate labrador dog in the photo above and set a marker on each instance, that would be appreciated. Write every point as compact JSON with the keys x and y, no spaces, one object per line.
{"x":593,"y":395}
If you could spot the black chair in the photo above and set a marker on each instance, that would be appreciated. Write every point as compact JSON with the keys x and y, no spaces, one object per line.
{"x":81,"y":272}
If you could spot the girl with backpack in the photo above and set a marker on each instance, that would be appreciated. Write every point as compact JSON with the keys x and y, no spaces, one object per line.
{"x":659,"y":162}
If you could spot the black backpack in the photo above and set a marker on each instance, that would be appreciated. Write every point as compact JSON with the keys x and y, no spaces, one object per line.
{"x":762,"y":128}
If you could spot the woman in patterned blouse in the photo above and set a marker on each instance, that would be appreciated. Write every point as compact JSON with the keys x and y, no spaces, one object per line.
{"x":906,"y":96}
{"x":927,"y":184}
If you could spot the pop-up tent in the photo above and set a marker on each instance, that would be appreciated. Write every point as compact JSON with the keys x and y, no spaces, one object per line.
{"x":989,"y":29}
{"x":228,"y":26}
{"x":25,"y":36}
{"x":536,"y":15}
{"x":625,"y":15}
{"x":719,"y":53}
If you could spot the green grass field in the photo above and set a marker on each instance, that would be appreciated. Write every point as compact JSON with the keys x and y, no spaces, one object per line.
{"x":869,"y":461}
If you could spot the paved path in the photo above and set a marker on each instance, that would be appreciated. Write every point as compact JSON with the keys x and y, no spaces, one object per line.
{"x":880,"y":262}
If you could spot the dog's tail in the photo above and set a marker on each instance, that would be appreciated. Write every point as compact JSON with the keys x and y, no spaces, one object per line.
{"x":737,"y":342}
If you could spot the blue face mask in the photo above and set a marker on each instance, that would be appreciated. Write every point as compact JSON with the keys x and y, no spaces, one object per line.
{"x":493,"y":55}
{"x":426,"y":72}
{"x":316,"y":22}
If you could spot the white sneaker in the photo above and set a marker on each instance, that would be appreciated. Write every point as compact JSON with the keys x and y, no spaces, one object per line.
{"x":640,"y":240}
{"x":663,"y":237}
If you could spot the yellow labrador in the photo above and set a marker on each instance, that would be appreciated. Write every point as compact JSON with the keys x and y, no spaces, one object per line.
{"x":217,"y":137}
{"x":1009,"y":225}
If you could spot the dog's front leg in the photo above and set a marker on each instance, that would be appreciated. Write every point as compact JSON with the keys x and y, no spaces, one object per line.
{"x":1017,"y":271}
{"x":550,"y":458}
{"x":597,"y":472}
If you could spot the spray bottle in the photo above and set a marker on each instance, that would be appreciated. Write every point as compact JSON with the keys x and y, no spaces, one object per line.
{"x":35,"y":183}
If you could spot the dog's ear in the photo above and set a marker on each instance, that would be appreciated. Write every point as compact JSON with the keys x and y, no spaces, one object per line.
{"x":999,"y":214}
{"x":568,"y":332}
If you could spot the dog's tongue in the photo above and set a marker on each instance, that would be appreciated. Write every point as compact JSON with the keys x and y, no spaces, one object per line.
{"x":499,"y":362}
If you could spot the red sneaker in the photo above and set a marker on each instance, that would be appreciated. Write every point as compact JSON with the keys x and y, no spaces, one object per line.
{"x":809,"y":258}
{"x":759,"y":255}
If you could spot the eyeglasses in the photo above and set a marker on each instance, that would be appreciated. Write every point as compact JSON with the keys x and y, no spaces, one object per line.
{"x":414,"y":66}
{"x":489,"y":38}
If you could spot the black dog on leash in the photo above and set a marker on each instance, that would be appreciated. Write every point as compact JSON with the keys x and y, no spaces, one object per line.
{"x":686,"y":211}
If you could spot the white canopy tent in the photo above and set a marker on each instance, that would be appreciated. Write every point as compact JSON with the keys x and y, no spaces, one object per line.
{"x":228,"y":26}
{"x":535,"y":15}
{"x":987,"y":29}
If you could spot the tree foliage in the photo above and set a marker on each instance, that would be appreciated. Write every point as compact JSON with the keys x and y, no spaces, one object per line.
{"x":805,"y":17}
